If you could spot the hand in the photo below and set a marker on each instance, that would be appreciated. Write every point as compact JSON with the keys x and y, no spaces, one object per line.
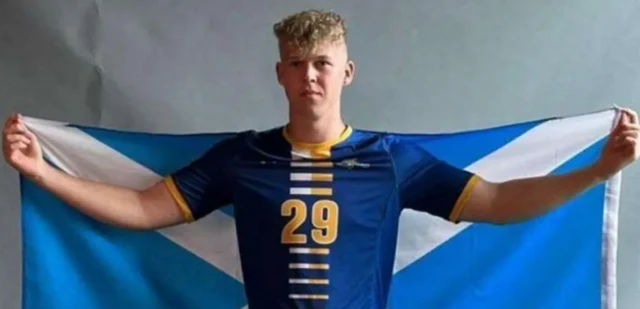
{"x":622,"y":146}
{"x":21,"y":149}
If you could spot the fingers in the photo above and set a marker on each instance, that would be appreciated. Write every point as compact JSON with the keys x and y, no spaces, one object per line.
{"x":18,"y":146}
{"x":627,"y":115}
{"x":628,"y":121}
{"x":14,"y":138}
{"x":16,"y":127}
{"x":16,"y":141}
{"x":632,"y":116}
{"x":10,"y":121}
{"x":30,"y":135}
{"x":627,"y":136}
{"x":628,"y":132}
{"x":622,"y":121}
{"x":15,"y":134}
{"x":628,"y":127}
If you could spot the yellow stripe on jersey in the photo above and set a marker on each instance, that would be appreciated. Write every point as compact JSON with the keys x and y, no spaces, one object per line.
{"x":308,"y":266}
{"x":300,"y":153}
{"x":312,"y":164}
{"x":311,"y":191}
{"x":321,"y":191}
{"x":308,"y":296}
{"x":311,"y":177}
{"x":323,"y":251}
{"x":173,"y":189}
{"x":462,"y":199}
{"x":309,"y":281}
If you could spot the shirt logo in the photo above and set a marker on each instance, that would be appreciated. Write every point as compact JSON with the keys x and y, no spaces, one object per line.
{"x":352,"y":163}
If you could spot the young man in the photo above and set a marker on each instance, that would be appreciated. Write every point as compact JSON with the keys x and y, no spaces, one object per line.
{"x":316,"y":201}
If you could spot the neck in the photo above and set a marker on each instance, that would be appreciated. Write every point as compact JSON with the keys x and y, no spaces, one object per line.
{"x":315,"y":131}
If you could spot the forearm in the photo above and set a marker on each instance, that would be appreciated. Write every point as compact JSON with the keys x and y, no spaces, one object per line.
{"x":107,"y":203}
{"x":522,"y":199}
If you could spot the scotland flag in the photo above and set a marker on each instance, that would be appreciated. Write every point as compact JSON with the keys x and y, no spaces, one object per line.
{"x":563,"y":259}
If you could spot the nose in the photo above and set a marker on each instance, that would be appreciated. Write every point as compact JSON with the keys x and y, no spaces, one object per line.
{"x":310,"y":73}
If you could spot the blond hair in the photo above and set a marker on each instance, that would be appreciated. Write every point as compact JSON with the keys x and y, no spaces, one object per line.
{"x":308,"y":28}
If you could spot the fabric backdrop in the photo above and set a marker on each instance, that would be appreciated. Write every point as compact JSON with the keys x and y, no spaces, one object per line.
{"x":201,"y":66}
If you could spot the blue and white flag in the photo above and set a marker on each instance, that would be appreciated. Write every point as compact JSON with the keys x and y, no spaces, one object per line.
{"x":563,"y":259}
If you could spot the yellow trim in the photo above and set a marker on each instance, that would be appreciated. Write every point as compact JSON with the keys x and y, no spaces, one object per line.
{"x":299,"y":153}
{"x":463,"y":198}
{"x":309,"y":296}
{"x":311,"y":164}
{"x":173,"y":189}
{"x":323,"y":251}
{"x":321,"y":191}
{"x":308,"y":281}
{"x":321,"y":177}
{"x":318,"y":147}
{"x":308,"y":266}
{"x":326,"y":177}
{"x":319,"y":153}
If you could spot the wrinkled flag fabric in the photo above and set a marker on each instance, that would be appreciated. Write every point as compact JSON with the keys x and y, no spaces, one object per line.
{"x":563,"y":259}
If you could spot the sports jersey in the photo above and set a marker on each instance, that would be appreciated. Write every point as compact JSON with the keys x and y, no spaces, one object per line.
{"x":317,"y":223}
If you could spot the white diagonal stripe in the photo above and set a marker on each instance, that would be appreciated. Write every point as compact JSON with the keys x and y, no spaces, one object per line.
{"x":535,"y":153}
{"x":212,"y":238}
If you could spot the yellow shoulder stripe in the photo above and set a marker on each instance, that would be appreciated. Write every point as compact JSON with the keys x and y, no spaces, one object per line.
{"x":462,"y":199}
{"x":173,"y":189}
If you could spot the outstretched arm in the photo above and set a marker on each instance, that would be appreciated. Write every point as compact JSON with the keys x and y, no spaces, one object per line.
{"x":522,"y":199}
{"x":123,"y":207}
{"x":152,"y":208}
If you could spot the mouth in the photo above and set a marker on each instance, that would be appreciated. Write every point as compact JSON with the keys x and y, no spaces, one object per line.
{"x":308,"y":93}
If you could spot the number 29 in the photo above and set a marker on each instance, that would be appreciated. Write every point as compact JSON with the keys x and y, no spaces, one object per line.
{"x":324,"y":218}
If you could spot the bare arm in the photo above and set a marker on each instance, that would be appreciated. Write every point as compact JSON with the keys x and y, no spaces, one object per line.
{"x":521,"y":199}
{"x":146,"y":209}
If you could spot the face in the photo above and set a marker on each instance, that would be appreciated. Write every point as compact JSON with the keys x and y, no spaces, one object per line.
{"x":313,"y":82}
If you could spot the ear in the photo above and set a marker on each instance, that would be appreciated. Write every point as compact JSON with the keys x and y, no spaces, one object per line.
{"x":278,"y":73}
{"x":348,"y":73}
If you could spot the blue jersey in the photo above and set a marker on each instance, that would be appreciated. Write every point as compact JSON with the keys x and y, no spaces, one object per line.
{"x":317,"y":223}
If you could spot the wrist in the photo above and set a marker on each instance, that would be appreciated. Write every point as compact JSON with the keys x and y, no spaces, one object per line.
{"x":43,"y":173}
{"x":598,"y":173}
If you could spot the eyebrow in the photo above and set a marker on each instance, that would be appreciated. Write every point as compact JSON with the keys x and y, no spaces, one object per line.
{"x":321,"y":57}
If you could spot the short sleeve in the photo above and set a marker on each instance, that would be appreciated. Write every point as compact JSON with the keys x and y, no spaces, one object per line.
{"x":205,"y":184}
{"x":429,"y":184}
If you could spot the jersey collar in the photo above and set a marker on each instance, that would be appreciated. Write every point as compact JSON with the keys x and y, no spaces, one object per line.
{"x":324,"y":146}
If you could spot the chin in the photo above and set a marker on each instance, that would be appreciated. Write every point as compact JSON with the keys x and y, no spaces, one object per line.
{"x":310,"y":101}
{"x":309,"y":108}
